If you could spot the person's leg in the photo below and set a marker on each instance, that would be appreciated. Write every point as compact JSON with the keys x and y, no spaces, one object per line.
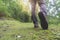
{"x":33,"y":17}
{"x":42,"y":14}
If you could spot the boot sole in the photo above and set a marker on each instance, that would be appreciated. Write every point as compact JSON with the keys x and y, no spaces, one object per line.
{"x":44,"y":23}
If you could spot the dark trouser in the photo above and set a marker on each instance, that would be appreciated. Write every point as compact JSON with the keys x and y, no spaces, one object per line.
{"x":42,"y":14}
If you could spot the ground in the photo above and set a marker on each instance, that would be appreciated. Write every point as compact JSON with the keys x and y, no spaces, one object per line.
{"x":15,"y":30}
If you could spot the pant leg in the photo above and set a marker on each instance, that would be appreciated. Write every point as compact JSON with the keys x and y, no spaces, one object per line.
{"x":43,"y":8}
{"x":33,"y":17}
{"x":42,"y":14}
{"x":42,"y":5}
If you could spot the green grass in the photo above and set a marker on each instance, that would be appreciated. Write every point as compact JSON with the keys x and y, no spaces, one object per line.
{"x":15,"y":30}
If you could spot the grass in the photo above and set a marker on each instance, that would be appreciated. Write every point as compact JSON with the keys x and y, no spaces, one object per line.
{"x":15,"y":30}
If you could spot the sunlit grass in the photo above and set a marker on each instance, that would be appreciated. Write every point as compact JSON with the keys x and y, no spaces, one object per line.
{"x":15,"y":30}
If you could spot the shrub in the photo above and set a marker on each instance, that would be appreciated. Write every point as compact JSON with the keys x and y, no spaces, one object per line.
{"x":24,"y":17}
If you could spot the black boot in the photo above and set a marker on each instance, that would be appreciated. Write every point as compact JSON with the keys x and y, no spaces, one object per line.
{"x":35,"y":21}
{"x":44,"y":23}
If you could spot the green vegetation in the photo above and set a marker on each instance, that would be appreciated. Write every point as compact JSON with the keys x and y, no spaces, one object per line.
{"x":13,"y":9}
{"x":15,"y":30}
{"x":20,"y":10}
{"x":16,"y":24}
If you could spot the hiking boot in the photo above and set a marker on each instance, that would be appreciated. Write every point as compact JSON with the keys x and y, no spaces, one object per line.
{"x":35,"y":21}
{"x":36,"y":26}
{"x":43,"y":21}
